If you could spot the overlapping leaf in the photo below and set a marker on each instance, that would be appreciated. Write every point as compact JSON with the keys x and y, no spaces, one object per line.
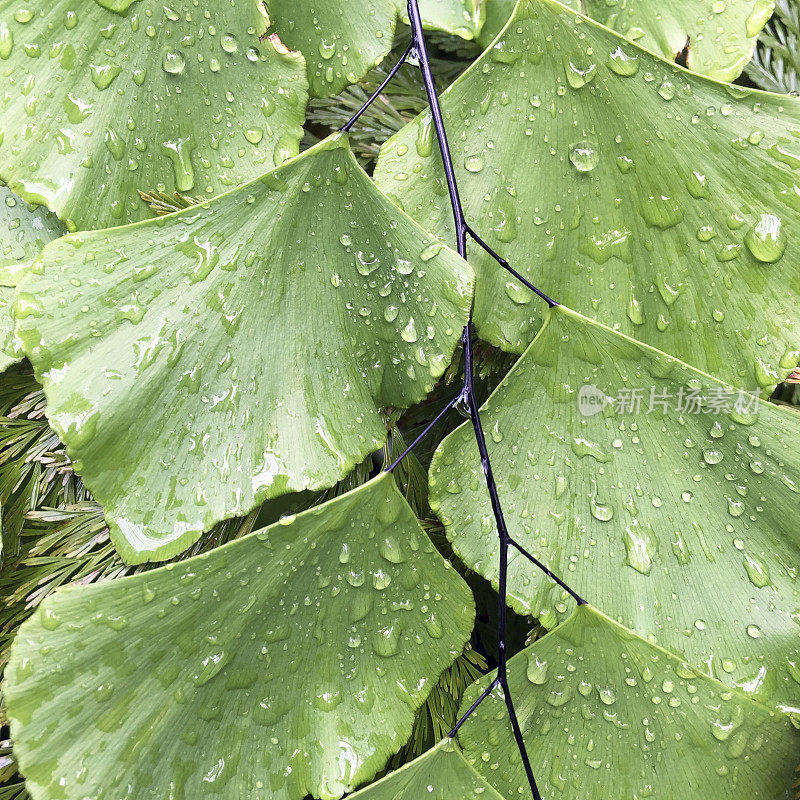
{"x":109,"y":97}
{"x":241,"y":349}
{"x":677,"y":521}
{"x":24,"y":231}
{"x":613,"y":180}
{"x":342,"y":40}
{"x":287,"y":663}
{"x":717,"y":35}
{"x":440,"y":774}
{"x":600,"y":707}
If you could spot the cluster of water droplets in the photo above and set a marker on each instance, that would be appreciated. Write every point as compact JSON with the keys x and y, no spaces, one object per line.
{"x":673,"y":501}
{"x":591,"y":694}
{"x":568,"y":100}
{"x":191,"y":68}
{"x":272,"y":628}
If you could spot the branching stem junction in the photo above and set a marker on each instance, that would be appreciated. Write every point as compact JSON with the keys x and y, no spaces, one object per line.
{"x":417,"y":53}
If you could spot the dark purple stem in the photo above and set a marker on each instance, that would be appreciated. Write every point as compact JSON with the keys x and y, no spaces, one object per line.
{"x":467,"y":397}
{"x":468,"y":394}
{"x":387,"y":80}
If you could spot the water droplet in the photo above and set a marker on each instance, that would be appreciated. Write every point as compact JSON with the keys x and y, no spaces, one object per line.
{"x":537,"y":670}
{"x":712,"y":456}
{"x":6,"y":41}
{"x":409,"y":333}
{"x":661,"y":211}
{"x":607,"y":696}
{"x":327,"y":49}
{"x":584,"y":156}
{"x":229,"y":43}
{"x":180,"y":151}
{"x":640,"y":547}
{"x":623,"y":64}
{"x":103,"y":75}
{"x":48,"y":618}
{"x":667,"y":90}
{"x":577,"y":74}
{"x":473,"y":164}
{"x":387,"y":641}
{"x":431,"y":251}
{"x":757,"y":571}
{"x":173,"y":62}
{"x":766,"y":240}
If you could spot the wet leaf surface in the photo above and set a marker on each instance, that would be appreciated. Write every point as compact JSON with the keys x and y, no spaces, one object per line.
{"x":112,"y":96}
{"x":287,"y":663}
{"x":343,"y":40}
{"x":717,"y":35}
{"x":240,"y":349}
{"x":677,"y":520}
{"x":599,"y":706}
{"x":614,"y":182}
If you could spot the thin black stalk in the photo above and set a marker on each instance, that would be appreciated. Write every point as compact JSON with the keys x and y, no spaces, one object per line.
{"x":484,"y":694}
{"x":418,"y":40}
{"x":418,"y":37}
{"x":506,"y":266}
{"x":526,"y":762}
{"x":467,"y":397}
{"x":394,"y":70}
{"x":550,"y":574}
{"x":424,"y":433}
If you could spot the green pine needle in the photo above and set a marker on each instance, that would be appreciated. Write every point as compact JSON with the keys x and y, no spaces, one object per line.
{"x":11,"y":787}
{"x":15,"y":791}
{"x":439,"y":714}
{"x":162,"y":203}
{"x":34,"y":468}
{"x":776,"y":60}
{"x":397,"y":105}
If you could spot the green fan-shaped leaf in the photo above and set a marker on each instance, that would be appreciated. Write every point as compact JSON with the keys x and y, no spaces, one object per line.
{"x":104,"y":98}
{"x":718,"y":35}
{"x":601,"y":707}
{"x":240,"y":349}
{"x":679,"y":524}
{"x":498,"y":12}
{"x":613,"y":181}
{"x":343,"y":40}
{"x":440,"y":774}
{"x":287,"y":663}
{"x":24,"y":231}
